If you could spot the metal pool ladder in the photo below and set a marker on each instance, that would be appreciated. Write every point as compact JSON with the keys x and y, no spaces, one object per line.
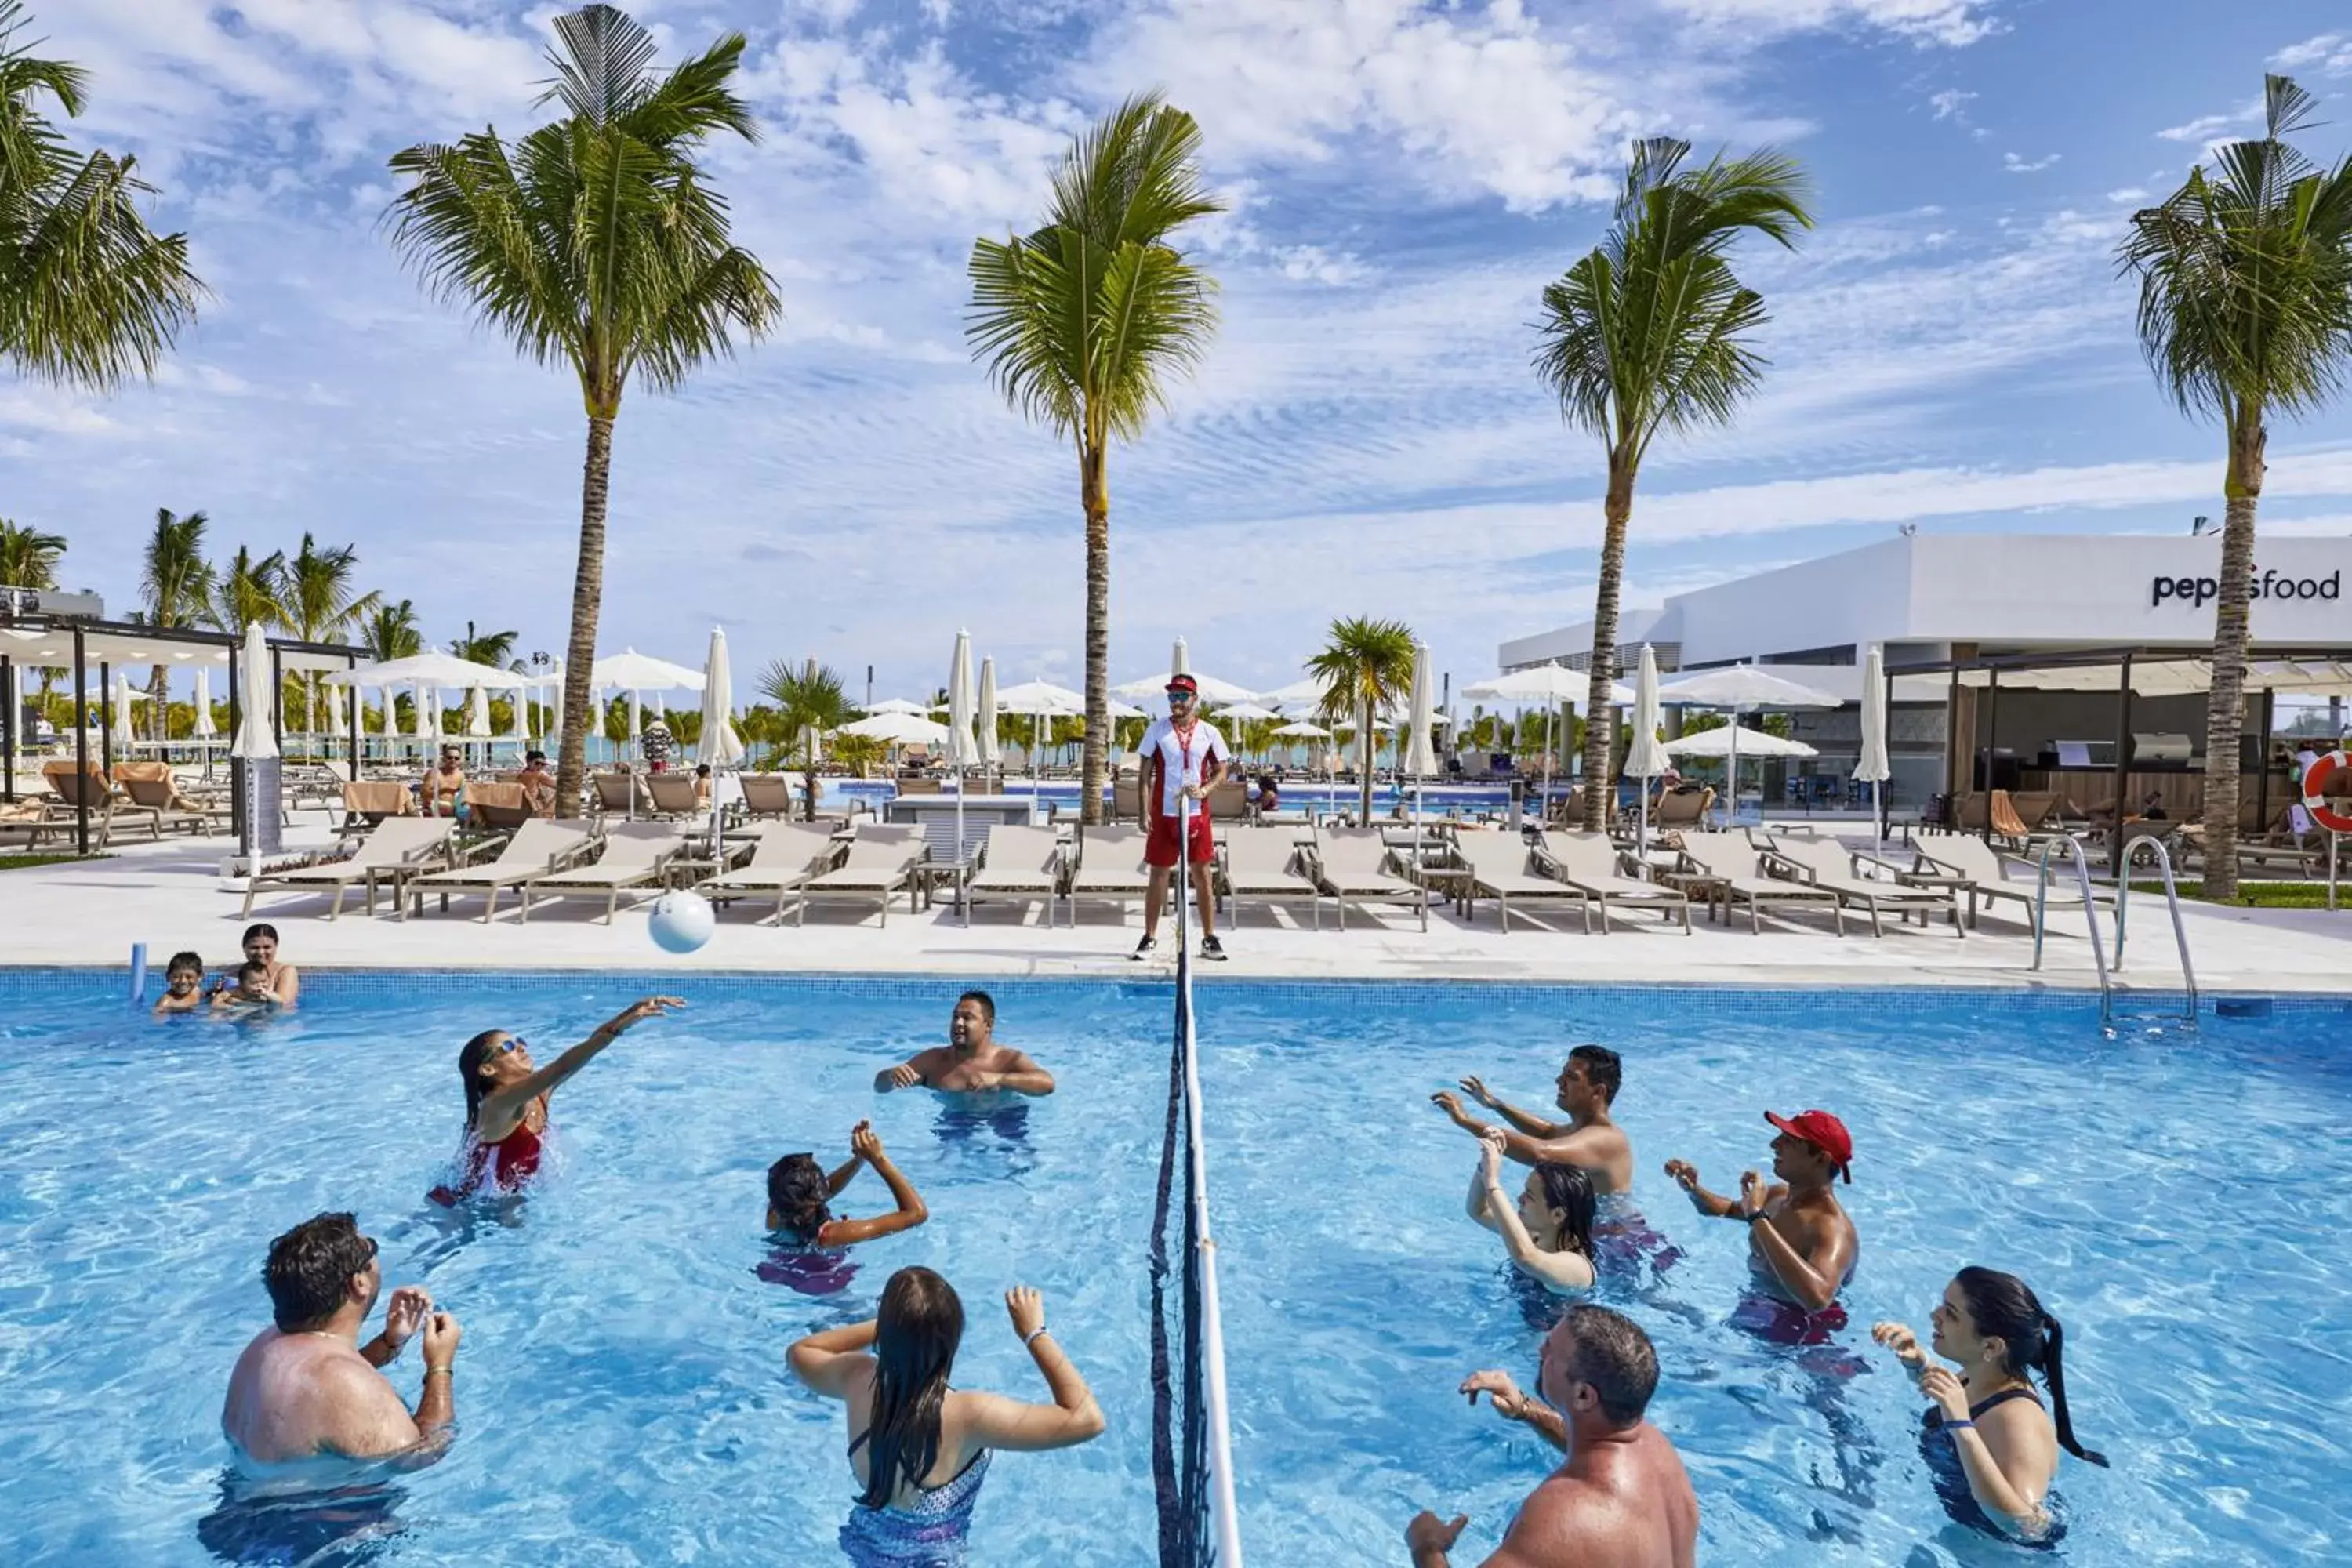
{"x":2172,"y":902}
{"x":2090,"y":916}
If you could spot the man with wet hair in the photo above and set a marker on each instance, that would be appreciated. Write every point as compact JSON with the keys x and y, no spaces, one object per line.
{"x":1587,"y":1086}
{"x":971,"y":1061}
{"x":1621,"y":1498}
{"x":306,"y":1388}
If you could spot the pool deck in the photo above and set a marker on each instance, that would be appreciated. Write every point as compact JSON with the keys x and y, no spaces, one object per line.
{"x":171,"y":896}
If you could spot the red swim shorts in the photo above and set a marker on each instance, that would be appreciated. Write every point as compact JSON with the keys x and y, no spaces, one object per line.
{"x":1159,"y":849}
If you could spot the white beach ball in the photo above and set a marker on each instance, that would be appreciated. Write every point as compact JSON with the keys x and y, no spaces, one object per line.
{"x":682,"y":922}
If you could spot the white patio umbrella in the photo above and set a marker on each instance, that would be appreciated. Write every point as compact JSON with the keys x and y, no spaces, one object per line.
{"x":1645,"y":758}
{"x":721,"y":747}
{"x":963,"y":749}
{"x":631,"y":670}
{"x":1213,"y":691}
{"x":1740,"y":687}
{"x":432,"y":666}
{"x":1549,"y":686}
{"x":1040,"y":697}
{"x":1873,"y":767}
{"x":892,"y":705}
{"x":255,"y":737}
{"x":1301,"y":728}
{"x":1420,"y":759}
{"x":1306,"y":693}
{"x":204,"y":729}
{"x":899,"y":730}
{"x":992,"y":751}
{"x":1247,"y":712}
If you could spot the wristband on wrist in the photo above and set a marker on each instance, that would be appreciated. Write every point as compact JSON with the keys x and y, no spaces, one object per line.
{"x":1747,"y":1217}
{"x":1955,"y":1426}
{"x":443,"y":1371}
{"x":1030,"y":1338}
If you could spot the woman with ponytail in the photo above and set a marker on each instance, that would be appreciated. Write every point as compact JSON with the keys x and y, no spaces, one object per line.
{"x":920,"y":1448}
{"x":1992,"y":1447}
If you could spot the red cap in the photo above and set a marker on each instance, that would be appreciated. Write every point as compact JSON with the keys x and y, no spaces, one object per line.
{"x":1183,"y":683}
{"x":1824,"y":1132}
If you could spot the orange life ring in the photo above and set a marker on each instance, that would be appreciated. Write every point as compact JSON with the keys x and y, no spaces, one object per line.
{"x":2315,"y":795}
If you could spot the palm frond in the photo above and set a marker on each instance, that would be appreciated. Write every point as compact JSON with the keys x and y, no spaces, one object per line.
{"x":600,"y":64}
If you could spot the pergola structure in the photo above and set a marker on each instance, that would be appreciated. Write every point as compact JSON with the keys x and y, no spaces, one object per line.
{"x":31,"y":639}
{"x":2141,"y":672}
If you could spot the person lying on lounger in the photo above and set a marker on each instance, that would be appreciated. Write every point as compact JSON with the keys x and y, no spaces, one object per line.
{"x":971,"y":1061}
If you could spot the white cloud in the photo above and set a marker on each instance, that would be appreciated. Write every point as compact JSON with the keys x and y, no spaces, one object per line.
{"x":2331,"y":52}
{"x":2198,"y":129}
{"x":1952,"y":105}
{"x":2124,"y":196}
{"x":2017,"y":165}
{"x":1952,"y":23}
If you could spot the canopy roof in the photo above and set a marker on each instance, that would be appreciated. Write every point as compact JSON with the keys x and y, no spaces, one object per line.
{"x":2174,"y":676}
{"x":50,"y":646}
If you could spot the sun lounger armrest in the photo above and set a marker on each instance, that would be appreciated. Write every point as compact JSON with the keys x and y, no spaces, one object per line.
{"x":1864,"y":857}
{"x":1775,"y":863}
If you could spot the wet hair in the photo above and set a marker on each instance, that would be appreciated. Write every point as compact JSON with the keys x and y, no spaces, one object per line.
{"x":1604,"y":1069}
{"x":262,"y":928}
{"x":1568,"y":1189}
{"x":917,"y":1331}
{"x":796,"y":1193}
{"x":470,"y":1067}
{"x":252,"y":969}
{"x":2003,"y":1305}
{"x":183,"y":961}
{"x":987,"y":1004}
{"x":1612,"y":1354}
{"x":309,"y":1270}
{"x":534,"y":756}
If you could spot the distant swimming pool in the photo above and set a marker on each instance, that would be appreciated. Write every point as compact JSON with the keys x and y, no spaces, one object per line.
{"x":2182,"y":1200}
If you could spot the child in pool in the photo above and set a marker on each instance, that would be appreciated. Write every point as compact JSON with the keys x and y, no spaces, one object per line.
{"x":183,"y":984}
{"x":252,"y":989}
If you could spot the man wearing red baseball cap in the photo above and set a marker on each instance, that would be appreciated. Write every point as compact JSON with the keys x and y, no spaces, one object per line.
{"x":1801,"y":1243}
{"x":1183,"y":758}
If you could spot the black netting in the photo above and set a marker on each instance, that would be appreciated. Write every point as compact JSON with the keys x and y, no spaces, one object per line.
{"x":1180,"y":1435}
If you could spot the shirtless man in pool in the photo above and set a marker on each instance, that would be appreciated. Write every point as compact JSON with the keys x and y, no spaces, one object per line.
{"x":305,"y":1389}
{"x":971,"y":1061}
{"x":1801,"y":1243}
{"x":1586,"y":1089}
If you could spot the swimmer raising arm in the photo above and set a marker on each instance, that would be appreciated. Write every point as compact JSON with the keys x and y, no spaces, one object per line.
{"x":1532,"y":1125}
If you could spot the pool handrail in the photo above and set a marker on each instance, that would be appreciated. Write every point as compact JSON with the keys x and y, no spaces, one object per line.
{"x":2090,"y":914}
{"x":2172,"y":902}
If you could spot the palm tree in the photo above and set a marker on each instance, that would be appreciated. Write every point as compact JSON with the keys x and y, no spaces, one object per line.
{"x":88,"y":295}
{"x":2245,"y":308}
{"x":1080,"y":321}
{"x":1650,"y":332}
{"x":177,"y":586}
{"x":28,"y":557}
{"x":596,"y":243}
{"x":249,"y":591}
{"x":809,"y":701}
{"x":316,"y":604}
{"x":390,"y":632}
{"x":1367,"y":665}
{"x":485,"y":648}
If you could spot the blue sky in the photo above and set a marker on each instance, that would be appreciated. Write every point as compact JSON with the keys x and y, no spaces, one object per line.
{"x":1951,"y":348}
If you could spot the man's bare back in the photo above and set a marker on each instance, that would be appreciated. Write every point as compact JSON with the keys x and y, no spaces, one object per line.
{"x":311,"y":1396}
{"x":1624,"y":1504}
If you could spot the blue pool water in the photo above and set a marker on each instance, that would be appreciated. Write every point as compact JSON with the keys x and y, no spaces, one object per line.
{"x":2182,"y":1200}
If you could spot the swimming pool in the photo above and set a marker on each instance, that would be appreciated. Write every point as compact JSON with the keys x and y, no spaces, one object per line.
{"x":621,"y":1390}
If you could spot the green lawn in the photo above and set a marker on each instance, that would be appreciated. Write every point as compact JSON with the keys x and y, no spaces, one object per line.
{"x":26,"y":862}
{"x":2268,"y":895}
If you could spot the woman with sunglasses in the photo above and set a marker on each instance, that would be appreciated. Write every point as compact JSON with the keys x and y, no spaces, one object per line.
{"x":506,"y":1095}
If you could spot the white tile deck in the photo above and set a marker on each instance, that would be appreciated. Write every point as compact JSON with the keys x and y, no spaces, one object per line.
{"x":170,"y":896}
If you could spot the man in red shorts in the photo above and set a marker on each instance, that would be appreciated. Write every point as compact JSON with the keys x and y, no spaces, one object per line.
{"x":1183,"y":758}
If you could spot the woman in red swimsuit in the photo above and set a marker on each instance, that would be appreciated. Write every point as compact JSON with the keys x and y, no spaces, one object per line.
{"x":506,"y":1099}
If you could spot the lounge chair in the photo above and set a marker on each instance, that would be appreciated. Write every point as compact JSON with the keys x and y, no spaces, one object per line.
{"x":372,"y":800}
{"x":1264,"y":863}
{"x":1734,"y":873}
{"x":613,"y":792}
{"x":1018,"y":862}
{"x":917,"y":783}
{"x":149,"y":788}
{"x":1501,"y":867}
{"x":395,"y":850}
{"x":1108,"y":865}
{"x":768,"y":796}
{"x":785,"y":856}
{"x":881,"y":861}
{"x":1679,"y":808}
{"x":673,"y":796}
{"x":634,"y":853}
{"x":1228,"y":800}
{"x":1969,"y":866}
{"x":1589,"y":864}
{"x":498,"y":806}
{"x":537,"y":848}
{"x":1827,"y":863}
{"x":72,"y":790}
{"x":1354,"y":863}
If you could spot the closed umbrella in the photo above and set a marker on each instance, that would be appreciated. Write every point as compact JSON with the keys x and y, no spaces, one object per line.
{"x":1873,"y":767}
{"x":992,"y":753}
{"x":478,"y":715}
{"x":963,"y":750}
{"x":254,"y":735}
{"x":420,"y":717}
{"x":1420,"y":758}
{"x":124,"y":725}
{"x":1645,"y":758}
{"x":721,"y":747}
{"x":205,"y":728}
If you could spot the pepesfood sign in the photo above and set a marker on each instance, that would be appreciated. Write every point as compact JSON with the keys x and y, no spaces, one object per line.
{"x":2192,"y":591}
